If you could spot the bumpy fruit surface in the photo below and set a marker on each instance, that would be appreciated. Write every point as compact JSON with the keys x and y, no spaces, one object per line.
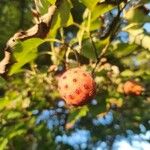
{"x":76,"y":87}
{"x":131,"y":87}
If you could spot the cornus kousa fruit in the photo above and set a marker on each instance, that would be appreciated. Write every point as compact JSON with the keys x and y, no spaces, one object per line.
{"x":76,"y":86}
{"x":131,"y":87}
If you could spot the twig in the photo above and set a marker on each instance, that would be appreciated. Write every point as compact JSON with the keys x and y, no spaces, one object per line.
{"x":94,"y":46}
{"x":39,"y":30}
{"x":100,"y":56}
{"x":111,"y":33}
{"x":76,"y":54}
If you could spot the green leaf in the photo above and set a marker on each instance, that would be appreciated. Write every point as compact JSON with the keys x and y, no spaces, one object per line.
{"x":132,"y":15}
{"x":127,"y":73}
{"x":2,"y":82}
{"x":138,"y":37}
{"x":95,"y":25}
{"x":123,"y":49}
{"x":52,"y":1}
{"x":13,"y":99}
{"x":88,"y":49}
{"x":17,"y":132}
{"x":25,"y":52}
{"x":90,"y":3}
{"x":3,"y":143}
{"x":42,"y":5}
{"x":100,"y":10}
{"x":3,"y":103}
{"x":101,"y":103}
{"x":76,"y":114}
{"x":61,"y":18}
{"x":13,"y":115}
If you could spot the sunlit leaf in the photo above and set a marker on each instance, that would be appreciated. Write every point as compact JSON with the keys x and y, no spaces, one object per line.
{"x":25,"y":52}
{"x":139,"y":37}
{"x":3,"y":103}
{"x":123,"y":49}
{"x":13,"y":115}
{"x":90,"y":3}
{"x":132,"y":15}
{"x":52,"y":1}
{"x":127,"y":73}
{"x":3,"y":143}
{"x":114,"y":102}
{"x":100,"y":10}
{"x":61,"y":18}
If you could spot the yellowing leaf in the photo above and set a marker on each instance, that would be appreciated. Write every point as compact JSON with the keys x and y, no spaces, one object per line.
{"x":117,"y":102}
{"x":52,"y":1}
{"x":26,"y":103}
{"x":90,"y":3}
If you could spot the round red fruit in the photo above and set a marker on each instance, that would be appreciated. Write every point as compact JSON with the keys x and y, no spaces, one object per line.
{"x":131,"y":87}
{"x":76,"y":86}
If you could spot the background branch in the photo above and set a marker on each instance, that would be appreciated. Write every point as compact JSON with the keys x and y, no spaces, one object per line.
{"x":39,"y":30}
{"x":111,"y":32}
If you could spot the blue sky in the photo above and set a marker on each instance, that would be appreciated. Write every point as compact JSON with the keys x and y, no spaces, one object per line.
{"x":80,"y":138}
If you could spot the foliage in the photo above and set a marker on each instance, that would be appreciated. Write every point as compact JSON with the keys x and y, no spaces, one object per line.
{"x":107,"y":39}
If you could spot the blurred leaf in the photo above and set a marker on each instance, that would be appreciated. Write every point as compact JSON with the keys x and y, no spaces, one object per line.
{"x":25,"y":52}
{"x":13,"y":115}
{"x":139,"y":37}
{"x":123,"y":49}
{"x":88,"y":49}
{"x":26,"y":103}
{"x":132,"y":15}
{"x":61,"y":18}
{"x":77,"y":113}
{"x":100,"y":107}
{"x":3,"y":143}
{"x":2,"y":82}
{"x":100,"y":10}
{"x":95,"y":25}
{"x":94,"y":20}
{"x":90,"y":3}
{"x":42,"y":5}
{"x":114,"y":102}
{"x":3,"y":103}
{"x":16,"y":132}
{"x":52,"y":1}
{"x":143,"y":1}
{"x":127,"y":73}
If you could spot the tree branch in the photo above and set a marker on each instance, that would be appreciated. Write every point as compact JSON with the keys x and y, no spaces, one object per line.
{"x":114,"y":25}
{"x":39,"y":30}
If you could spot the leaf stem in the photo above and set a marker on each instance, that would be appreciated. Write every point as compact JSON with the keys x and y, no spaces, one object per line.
{"x":94,"y":46}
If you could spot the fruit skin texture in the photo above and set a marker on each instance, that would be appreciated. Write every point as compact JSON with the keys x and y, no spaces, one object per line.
{"x":131,"y":87}
{"x":76,"y":87}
